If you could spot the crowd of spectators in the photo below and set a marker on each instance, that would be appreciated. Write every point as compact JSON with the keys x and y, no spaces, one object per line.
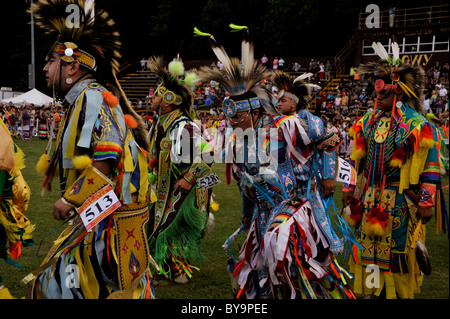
{"x":27,"y":120}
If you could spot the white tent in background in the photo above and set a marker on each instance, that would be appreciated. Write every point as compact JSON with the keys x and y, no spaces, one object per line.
{"x":33,"y":96}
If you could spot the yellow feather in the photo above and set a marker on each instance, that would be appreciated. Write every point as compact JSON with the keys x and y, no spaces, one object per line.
{"x":42,"y":164}
{"x":81,"y":162}
{"x":373,"y":229}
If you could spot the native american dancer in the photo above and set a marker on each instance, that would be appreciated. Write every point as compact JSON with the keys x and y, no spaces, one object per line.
{"x":15,"y":227}
{"x":100,"y":157}
{"x":395,"y":150}
{"x":443,"y":142}
{"x":178,"y":159}
{"x":288,"y":249}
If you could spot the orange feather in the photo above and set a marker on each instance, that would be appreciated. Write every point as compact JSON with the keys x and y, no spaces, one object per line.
{"x":110,"y":99}
{"x":130,"y":121}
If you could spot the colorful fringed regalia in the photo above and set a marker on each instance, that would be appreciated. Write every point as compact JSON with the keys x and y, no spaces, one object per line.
{"x":397,"y":154}
{"x":443,"y":143}
{"x":288,"y":252}
{"x":179,"y":220}
{"x":15,"y":228}
{"x":103,"y":251}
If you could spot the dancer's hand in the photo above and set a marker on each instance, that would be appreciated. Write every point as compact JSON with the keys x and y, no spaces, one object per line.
{"x":424,"y":213}
{"x":246,"y":222}
{"x":61,"y":210}
{"x":328,"y":186}
{"x":348,"y":198}
{"x":183,"y":186}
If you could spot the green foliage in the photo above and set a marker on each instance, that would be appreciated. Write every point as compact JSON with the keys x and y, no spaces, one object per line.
{"x":165,"y":27}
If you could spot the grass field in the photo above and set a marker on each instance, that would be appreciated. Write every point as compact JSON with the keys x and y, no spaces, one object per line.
{"x":212,"y":281}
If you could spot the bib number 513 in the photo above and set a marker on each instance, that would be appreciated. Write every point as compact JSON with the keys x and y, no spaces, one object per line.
{"x":98,"y":206}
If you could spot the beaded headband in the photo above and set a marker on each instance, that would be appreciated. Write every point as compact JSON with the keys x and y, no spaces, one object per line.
{"x":231,"y":107}
{"x":168,"y":96}
{"x":289,"y":95}
{"x":69,"y":52}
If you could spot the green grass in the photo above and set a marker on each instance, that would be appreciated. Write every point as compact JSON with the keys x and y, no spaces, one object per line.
{"x":213,"y":280}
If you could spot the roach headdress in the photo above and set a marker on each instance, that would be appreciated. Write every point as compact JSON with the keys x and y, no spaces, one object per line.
{"x":293,"y":87}
{"x":243,"y":83}
{"x":175,"y":85}
{"x":395,"y":75}
{"x":86,"y":34}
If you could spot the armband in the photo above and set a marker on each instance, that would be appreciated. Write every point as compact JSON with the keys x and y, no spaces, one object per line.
{"x":427,"y":195}
{"x":197,"y":170}
{"x":330,"y":143}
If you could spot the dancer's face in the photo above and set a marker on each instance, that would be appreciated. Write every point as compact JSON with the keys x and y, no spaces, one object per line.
{"x":385,"y":100}
{"x":240,"y":119}
{"x":286,"y":106}
{"x":51,"y":69}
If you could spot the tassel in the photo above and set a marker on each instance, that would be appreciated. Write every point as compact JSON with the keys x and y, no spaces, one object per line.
{"x":42,"y":164}
{"x":377,"y":219}
{"x":210,"y":224}
{"x":130,"y":121}
{"x":426,"y":136}
{"x":356,"y":213}
{"x":110,"y":99}
{"x":152,"y":163}
{"x":399,"y":157}
{"x":360,"y":145}
{"x":15,"y":249}
{"x":81,"y":162}
{"x":214,"y":206}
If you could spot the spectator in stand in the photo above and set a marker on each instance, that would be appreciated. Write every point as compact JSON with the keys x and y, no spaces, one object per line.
{"x":281,"y":64}
{"x":426,"y":103}
{"x":440,"y":105}
{"x":275,"y":64}
{"x":345,"y":141}
{"x":444,"y":72}
{"x":151,"y":92}
{"x":427,"y":83}
{"x":198,"y":100}
{"x":437,"y":70}
{"x":443,"y":92}
{"x":344,"y":103}
{"x":434,"y":81}
{"x":296,"y":67}
{"x":220,"y":65}
{"x":337,"y":103}
{"x":370,"y":85}
{"x":321,"y":72}
{"x":363,"y":96}
{"x":27,"y":123}
{"x":264,"y":60}
{"x":143,"y":64}
{"x":434,"y":96}
{"x":328,"y":68}
{"x":391,"y":15}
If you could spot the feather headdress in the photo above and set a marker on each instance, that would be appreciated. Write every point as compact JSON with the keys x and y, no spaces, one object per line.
{"x":404,"y":78}
{"x":243,"y":83}
{"x":288,"y":84}
{"x":86,"y":33}
{"x":175,"y":85}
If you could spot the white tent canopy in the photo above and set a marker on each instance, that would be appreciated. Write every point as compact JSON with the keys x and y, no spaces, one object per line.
{"x":33,"y":96}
